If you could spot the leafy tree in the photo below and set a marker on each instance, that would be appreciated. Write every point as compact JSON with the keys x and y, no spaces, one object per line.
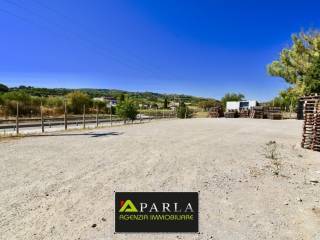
{"x":19,"y":96}
{"x":183,"y":111}
{"x":1,"y":100}
{"x":154,"y":105}
{"x":127,"y":110}
{"x":312,"y":77}
{"x":100,"y":105}
{"x":54,"y":102}
{"x":76,"y":101}
{"x":3,"y":88}
{"x":231,"y":97}
{"x":207,"y":104}
{"x":165,"y":103}
{"x":121,"y":98}
{"x":299,"y":64}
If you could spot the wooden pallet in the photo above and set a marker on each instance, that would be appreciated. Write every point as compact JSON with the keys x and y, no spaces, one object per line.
{"x":311,"y":124}
{"x":257,"y":112}
{"x":244,"y":113}
{"x":230,"y":114}
{"x":215,"y":112}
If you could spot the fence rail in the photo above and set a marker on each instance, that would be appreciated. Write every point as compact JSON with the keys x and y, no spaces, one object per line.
{"x":42,"y":123}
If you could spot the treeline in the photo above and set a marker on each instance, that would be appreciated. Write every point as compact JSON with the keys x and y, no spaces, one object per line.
{"x":147,"y":97}
{"x":51,"y":105}
{"x":53,"y":101}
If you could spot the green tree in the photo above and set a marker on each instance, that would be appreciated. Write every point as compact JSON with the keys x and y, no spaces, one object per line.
{"x":121,"y":97}
{"x":76,"y":101}
{"x":231,"y":97}
{"x":127,"y":110}
{"x":312,"y":77}
{"x":299,"y":64}
{"x":19,"y":96}
{"x":183,"y":111}
{"x":207,"y":104}
{"x":54,"y":102}
{"x":3,"y":88}
{"x":165,"y":103}
{"x":100,"y":105}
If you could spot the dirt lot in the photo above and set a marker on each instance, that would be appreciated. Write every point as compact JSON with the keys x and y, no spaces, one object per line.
{"x":58,"y":186}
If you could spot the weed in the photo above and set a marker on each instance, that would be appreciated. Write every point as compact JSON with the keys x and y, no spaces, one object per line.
{"x":272,"y":153}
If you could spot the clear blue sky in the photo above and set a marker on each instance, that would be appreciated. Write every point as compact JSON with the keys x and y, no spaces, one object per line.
{"x":203,"y":48}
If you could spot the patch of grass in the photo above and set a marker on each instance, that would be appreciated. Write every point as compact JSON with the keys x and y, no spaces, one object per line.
{"x":272,"y":153}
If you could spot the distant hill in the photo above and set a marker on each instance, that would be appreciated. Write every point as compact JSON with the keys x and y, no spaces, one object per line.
{"x":145,"y":96}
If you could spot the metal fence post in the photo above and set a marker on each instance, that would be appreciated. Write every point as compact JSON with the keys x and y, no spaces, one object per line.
{"x":110,"y":114}
{"x":17,"y":119}
{"x":65,"y":115}
{"x":140,"y":117}
{"x":97,"y":117}
{"x":42,"y":121}
{"x":84,"y":116}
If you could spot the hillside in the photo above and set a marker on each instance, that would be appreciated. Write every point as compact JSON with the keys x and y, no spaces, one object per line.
{"x":92,"y":92}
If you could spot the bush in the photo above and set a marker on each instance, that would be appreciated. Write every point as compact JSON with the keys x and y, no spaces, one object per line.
{"x":76,"y":101}
{"x":26,"y":107}
{"x":127,"y":110}
{"x":183,"y":111}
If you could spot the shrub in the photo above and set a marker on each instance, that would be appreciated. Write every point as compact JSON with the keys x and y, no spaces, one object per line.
{"x":183,"y":111}
{"x":76,"y":101}
{"x":127,"y":110}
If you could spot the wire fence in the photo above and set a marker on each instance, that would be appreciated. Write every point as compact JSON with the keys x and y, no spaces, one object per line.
{"x":44,"y":119}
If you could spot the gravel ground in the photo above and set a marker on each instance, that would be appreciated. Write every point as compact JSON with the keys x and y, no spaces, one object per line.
{"x":57,"y":186}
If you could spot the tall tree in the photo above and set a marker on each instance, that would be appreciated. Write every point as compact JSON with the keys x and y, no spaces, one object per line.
{"x":3,"y":88}
{"x":299,"y":64}
{"x":165,"y":103}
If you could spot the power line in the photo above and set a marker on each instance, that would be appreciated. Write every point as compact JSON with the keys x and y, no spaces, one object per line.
{"x":75,"y":34}
{"x":71,"y":20}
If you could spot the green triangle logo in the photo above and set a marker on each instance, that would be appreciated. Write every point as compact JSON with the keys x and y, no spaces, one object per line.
{"x":128,"y":206}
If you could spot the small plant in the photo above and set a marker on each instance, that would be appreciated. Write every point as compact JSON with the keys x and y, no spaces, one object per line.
{"x":272,"y":153}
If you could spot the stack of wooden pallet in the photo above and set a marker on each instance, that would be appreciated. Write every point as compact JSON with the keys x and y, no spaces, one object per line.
{"x":256,"y":112}
{"x":244,"y":113}
{"x":311,"y":125}
{"x":274,"y":113}
{"x":215,"y":112}
{"x":231,"y":114}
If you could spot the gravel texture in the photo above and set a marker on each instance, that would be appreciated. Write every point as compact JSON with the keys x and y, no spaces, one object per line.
{"x":61,"y":186}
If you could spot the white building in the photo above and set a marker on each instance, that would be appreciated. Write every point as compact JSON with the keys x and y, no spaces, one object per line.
{"x":238,"y":105}
{"x":107,"y":100}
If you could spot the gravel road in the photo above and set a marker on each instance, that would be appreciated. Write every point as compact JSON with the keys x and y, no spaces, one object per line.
{"x":59,"y":185}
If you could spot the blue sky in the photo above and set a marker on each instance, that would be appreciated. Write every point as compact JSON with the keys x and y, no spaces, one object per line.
{"x":203,"y":48}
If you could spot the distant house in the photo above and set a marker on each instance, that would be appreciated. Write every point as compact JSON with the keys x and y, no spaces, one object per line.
{"x":173,"y":105}
{"x":239,"y":105}
{"x":108,"y":100}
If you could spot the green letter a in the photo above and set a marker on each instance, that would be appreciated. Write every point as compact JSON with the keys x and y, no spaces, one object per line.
{"x":128,"y":207}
